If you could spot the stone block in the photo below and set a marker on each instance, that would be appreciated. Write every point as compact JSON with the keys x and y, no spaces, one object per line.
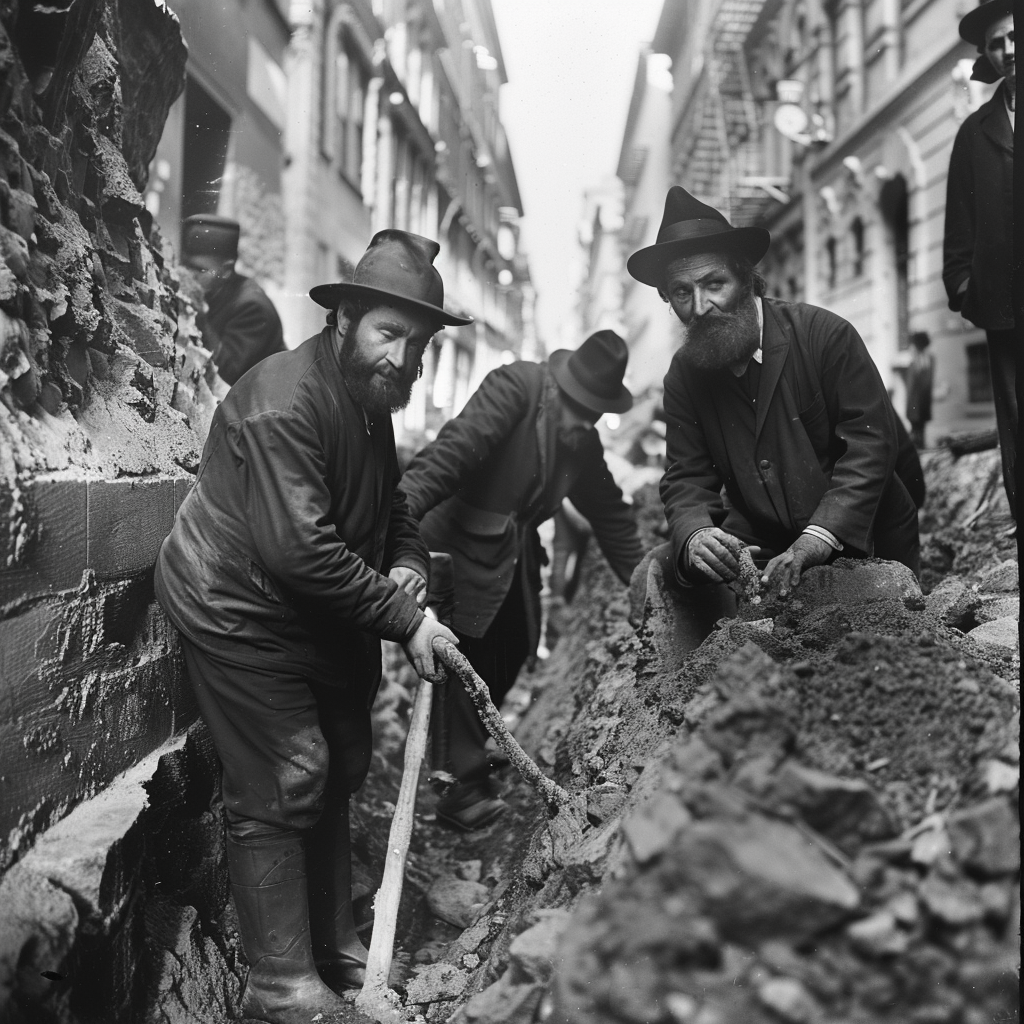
{"x":848,"y":811}
{"x":853,"y":581}
{"x":955,"y":902}
{"x":761,"y":879}
{"x":991,"y":608}
{"x":986,"y":837}
{"x":1000,"y":579}
{"x":533,"y":952}
{"x":1001,"y":636}
{"x":652,"y":827}
{"x":457,"y":901}
{"x":128,"y":521}
{"x":436,"y":983}
{"x":952,"y":601}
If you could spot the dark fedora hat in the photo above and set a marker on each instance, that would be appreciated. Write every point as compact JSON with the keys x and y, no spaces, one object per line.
{"x":592,"y":374}
{"x":398,"y":266}
{"x":975,"y":23}
{"x":205,"y":234}
{"x":689,"y":226}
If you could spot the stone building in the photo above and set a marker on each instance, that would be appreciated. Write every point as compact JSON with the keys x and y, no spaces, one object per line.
{"x":643,"y":169}
{"x":869,"y":94}
{"x":222,"y":147}
{"x":599,"y":292}
{"x":343,"y":118}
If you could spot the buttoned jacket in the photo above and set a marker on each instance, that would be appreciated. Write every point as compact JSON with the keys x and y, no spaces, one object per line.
{"x":978,"y":243}
{"x":819,"y":445}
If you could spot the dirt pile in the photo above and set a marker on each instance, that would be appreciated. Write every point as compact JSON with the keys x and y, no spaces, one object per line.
{"x":812,"y":817}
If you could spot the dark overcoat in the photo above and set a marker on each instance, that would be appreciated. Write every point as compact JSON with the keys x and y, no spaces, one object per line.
{"x":978,"y":243}
{"x":277,"y":553}
{"x":241,"y":327}
{"x":819,"y":445}
{"x":494,"y":473}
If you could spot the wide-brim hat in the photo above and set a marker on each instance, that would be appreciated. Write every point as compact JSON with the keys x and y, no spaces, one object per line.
{"x":688,"y":227}
{"x":205,"y":234}
{"x":974,"y":24}
{"x":592,"y":374}
{"x":397,"y":266}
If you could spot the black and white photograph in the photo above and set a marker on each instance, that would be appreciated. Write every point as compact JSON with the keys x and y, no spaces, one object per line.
{"x":508,"y":512}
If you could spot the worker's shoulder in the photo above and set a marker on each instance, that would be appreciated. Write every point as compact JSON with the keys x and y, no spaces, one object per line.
{"x":295,"y":382}
{"x":972,"y":123}
{"x":809,"y":323}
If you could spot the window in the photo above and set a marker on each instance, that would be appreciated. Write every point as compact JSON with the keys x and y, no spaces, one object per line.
{"x":979,"y":377}
{"x":349,"y":98}
{"x":857,"y":230}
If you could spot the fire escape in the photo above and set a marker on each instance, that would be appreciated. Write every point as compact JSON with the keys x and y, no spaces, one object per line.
{"x":724,"y":162}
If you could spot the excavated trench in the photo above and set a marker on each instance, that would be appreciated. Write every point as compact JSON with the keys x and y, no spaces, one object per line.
{"x":811,"y":818}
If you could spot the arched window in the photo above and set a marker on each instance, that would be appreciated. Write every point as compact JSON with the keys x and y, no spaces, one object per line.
{"x":857,"y":231}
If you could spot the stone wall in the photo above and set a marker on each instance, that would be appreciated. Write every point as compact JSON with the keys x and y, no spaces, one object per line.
{"x":103,"y":405}
{"x":109,"y":852}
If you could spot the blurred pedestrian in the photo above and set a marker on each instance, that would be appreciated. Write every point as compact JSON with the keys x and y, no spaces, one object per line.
{"x":524,"y":441}
{"x":920,"y":372}
{"x":291,"y":557}
{"x":978,"y":247}
{"x":781,"y":435}
{"x":240,"y":325}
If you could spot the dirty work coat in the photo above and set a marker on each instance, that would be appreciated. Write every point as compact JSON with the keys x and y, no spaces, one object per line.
{"x":241,"y":327}
{"x":818,"y":446}
{"x":277,"y":552}
{"x":978,"y":244}
{"x":494,"y":473}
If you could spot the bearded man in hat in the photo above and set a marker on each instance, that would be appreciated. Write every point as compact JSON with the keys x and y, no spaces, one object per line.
{"x":780,"y":433}
{"x":978,"y":264}
{"x":290,"y":559}
{"x":524,"y":441}
{"x":240,"y":325}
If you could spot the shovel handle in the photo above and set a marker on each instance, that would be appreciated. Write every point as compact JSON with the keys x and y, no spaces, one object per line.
{"x":454,"y":660}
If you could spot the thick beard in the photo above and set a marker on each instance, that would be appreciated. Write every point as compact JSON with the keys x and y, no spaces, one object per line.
{"x":717,"y":340}
{"x":378,"y":394}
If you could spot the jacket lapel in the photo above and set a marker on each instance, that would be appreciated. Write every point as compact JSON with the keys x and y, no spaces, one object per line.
{"x":994,"y":122}
{"x":775,"y":349}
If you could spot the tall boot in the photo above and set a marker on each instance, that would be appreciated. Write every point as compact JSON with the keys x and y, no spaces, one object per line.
{"x":337,"y":949}
{"x":268,"y":881}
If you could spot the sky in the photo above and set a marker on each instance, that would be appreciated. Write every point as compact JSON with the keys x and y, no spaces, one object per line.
{"x":571,"y":66}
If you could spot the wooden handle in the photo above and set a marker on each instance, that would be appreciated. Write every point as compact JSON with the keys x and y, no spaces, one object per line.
{"x":375,"y":999}
{"x":457,"y":662}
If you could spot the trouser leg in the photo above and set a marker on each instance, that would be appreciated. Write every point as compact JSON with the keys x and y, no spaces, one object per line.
{"x":1002,"y":354}
{"x":275,"y":760}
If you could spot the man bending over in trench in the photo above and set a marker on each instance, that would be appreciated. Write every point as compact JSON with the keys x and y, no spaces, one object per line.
{"x":290,"y":559}
{"x":781,"y":436}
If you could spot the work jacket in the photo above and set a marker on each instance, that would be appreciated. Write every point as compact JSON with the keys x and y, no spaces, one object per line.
{"x":278,"y":550}
{"x":819,"y":445}
{"x":240,"y":327}
{"x":494,"y":473}
{"x":978,"y":244}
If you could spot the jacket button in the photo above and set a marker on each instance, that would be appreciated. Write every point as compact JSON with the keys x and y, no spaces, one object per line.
{"x":765,"y":464}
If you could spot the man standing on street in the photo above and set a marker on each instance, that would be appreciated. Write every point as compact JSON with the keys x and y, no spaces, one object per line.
{"x":289,"y":560}
{"x":781,"y":435}
{"x":920,"y":375}
{"x":978,"y":247}
{"x":499,"y":469}
{"x":240,"y":325}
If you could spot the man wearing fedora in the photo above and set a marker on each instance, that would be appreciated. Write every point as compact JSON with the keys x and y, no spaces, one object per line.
{"x":780,"y":433}
{"x":978,"y":246}
{"x":240,"y":325}
{"x":524,"y":441}
{"x":291,"y":557}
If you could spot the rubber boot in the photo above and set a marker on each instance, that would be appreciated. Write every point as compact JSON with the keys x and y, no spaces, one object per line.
{"x":337,"y":949}
{"x":268,"y":881}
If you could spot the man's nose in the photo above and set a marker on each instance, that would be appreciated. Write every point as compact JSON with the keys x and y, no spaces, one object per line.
{"x":396,"y":353}
{"x":701,"y":302}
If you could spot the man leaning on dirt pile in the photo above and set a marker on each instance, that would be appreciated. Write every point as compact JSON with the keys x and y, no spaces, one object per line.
{"x":782,"y":443}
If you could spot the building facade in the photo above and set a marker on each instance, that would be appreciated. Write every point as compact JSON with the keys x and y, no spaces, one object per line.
{"x":831,"y":124}
{"x":344,"y":117}
{"x":643,"y":169}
